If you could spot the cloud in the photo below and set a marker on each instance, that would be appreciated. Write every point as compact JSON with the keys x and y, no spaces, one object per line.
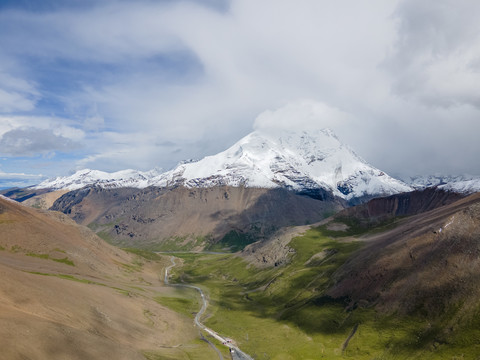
{"x":58,"y":126}
{"x":32,"y":141}
{"x":16,"y":93}
{"x":437,"y":52}
{"x":14,"y":101}
{"x":302,"y":114}
{"x":10,"y":180}
{"x":141,"y":84}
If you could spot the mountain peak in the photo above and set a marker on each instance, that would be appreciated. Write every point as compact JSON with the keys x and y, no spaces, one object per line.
{"x":296,"y":160}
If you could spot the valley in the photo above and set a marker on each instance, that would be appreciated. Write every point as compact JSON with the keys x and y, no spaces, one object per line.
{"x":330,"y":301}
{"x":289,"y":244}
{"x":239,"y":180}
{"x":394,"y":278}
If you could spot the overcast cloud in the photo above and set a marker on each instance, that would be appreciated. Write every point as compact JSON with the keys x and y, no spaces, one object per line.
{"x":142,"y":84}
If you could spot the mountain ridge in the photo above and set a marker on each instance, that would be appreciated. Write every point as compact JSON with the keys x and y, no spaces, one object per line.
{"x":464,"y":184}
{"x":297,"y":161}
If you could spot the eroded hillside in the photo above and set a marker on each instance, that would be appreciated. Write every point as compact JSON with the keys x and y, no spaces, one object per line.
{"x":176,"y":218}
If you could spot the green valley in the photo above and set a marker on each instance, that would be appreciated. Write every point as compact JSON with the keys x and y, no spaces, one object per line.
{"x":288,"y":312}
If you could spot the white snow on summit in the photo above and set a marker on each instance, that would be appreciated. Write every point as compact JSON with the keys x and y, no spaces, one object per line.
{"x":463,"y":187}
{"x":463,"y":184}
{"x":299,"y":161}
{"x":295,"y":160}
{"x":82,"y":178}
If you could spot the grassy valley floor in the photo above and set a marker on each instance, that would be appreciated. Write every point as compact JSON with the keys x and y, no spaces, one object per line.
{"x":284,"y":312}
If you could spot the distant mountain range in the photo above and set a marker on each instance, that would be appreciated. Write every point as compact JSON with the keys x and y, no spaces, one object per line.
{"x":299,"y":161}
{"x":262,"y":183}
{"x":87,"y":177}
{"x":463,"y":184}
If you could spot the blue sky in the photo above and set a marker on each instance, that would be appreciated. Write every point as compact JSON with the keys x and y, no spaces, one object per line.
{"x":121,"y":84}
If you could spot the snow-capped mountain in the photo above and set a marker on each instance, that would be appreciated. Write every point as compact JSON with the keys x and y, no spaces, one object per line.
{"x":295,"y":160}
{"x":421,"y":182}
{"x":463,"y":187}
{"x":463,"y":184}
{"x":86,"y":177}
{"x":298,"y":161}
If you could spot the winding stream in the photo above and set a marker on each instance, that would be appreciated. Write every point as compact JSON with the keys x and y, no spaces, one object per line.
{"x":235,"y":352}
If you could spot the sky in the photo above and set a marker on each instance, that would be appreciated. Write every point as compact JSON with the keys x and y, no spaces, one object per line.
{"x":142,"y":84}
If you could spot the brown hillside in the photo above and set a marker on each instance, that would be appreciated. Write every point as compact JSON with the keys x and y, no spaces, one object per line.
{"x":405,"y":204}
{"x":147,"y":217}
{"x":66,"y":294}
{"x":428,"y":264}
{"x":44,"y":201}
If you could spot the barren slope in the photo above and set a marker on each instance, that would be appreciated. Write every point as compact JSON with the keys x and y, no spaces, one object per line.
{"x":150,"y":216}
{"x":428,"y":264}
{"x":44,"y":201}
{"x":66,"y":294}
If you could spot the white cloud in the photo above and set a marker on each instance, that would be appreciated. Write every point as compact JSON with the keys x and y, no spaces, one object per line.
{"x":59,"y":126}
{"x":302,"y":114}
{"x":11,"y":101}
{"x":37,"y":135}
{"x":10,"y":180}
{"x":31,"y":141}
{"x":398,"y":80}
{"x":16,"y":94}
{"x":437,"y":52}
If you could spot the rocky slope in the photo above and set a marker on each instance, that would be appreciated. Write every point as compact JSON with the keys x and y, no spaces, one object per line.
{"x":387,"y":208}
{"x":427,"y":265}
{"x":409,"y":290}
{"x":190,"y":217}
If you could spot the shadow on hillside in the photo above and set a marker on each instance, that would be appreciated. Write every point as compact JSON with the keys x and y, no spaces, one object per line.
{"x":419,"y":287}
{"x":275,"y":209}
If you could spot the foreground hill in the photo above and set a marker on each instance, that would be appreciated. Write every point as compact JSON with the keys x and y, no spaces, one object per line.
{"x":66,"y":294}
